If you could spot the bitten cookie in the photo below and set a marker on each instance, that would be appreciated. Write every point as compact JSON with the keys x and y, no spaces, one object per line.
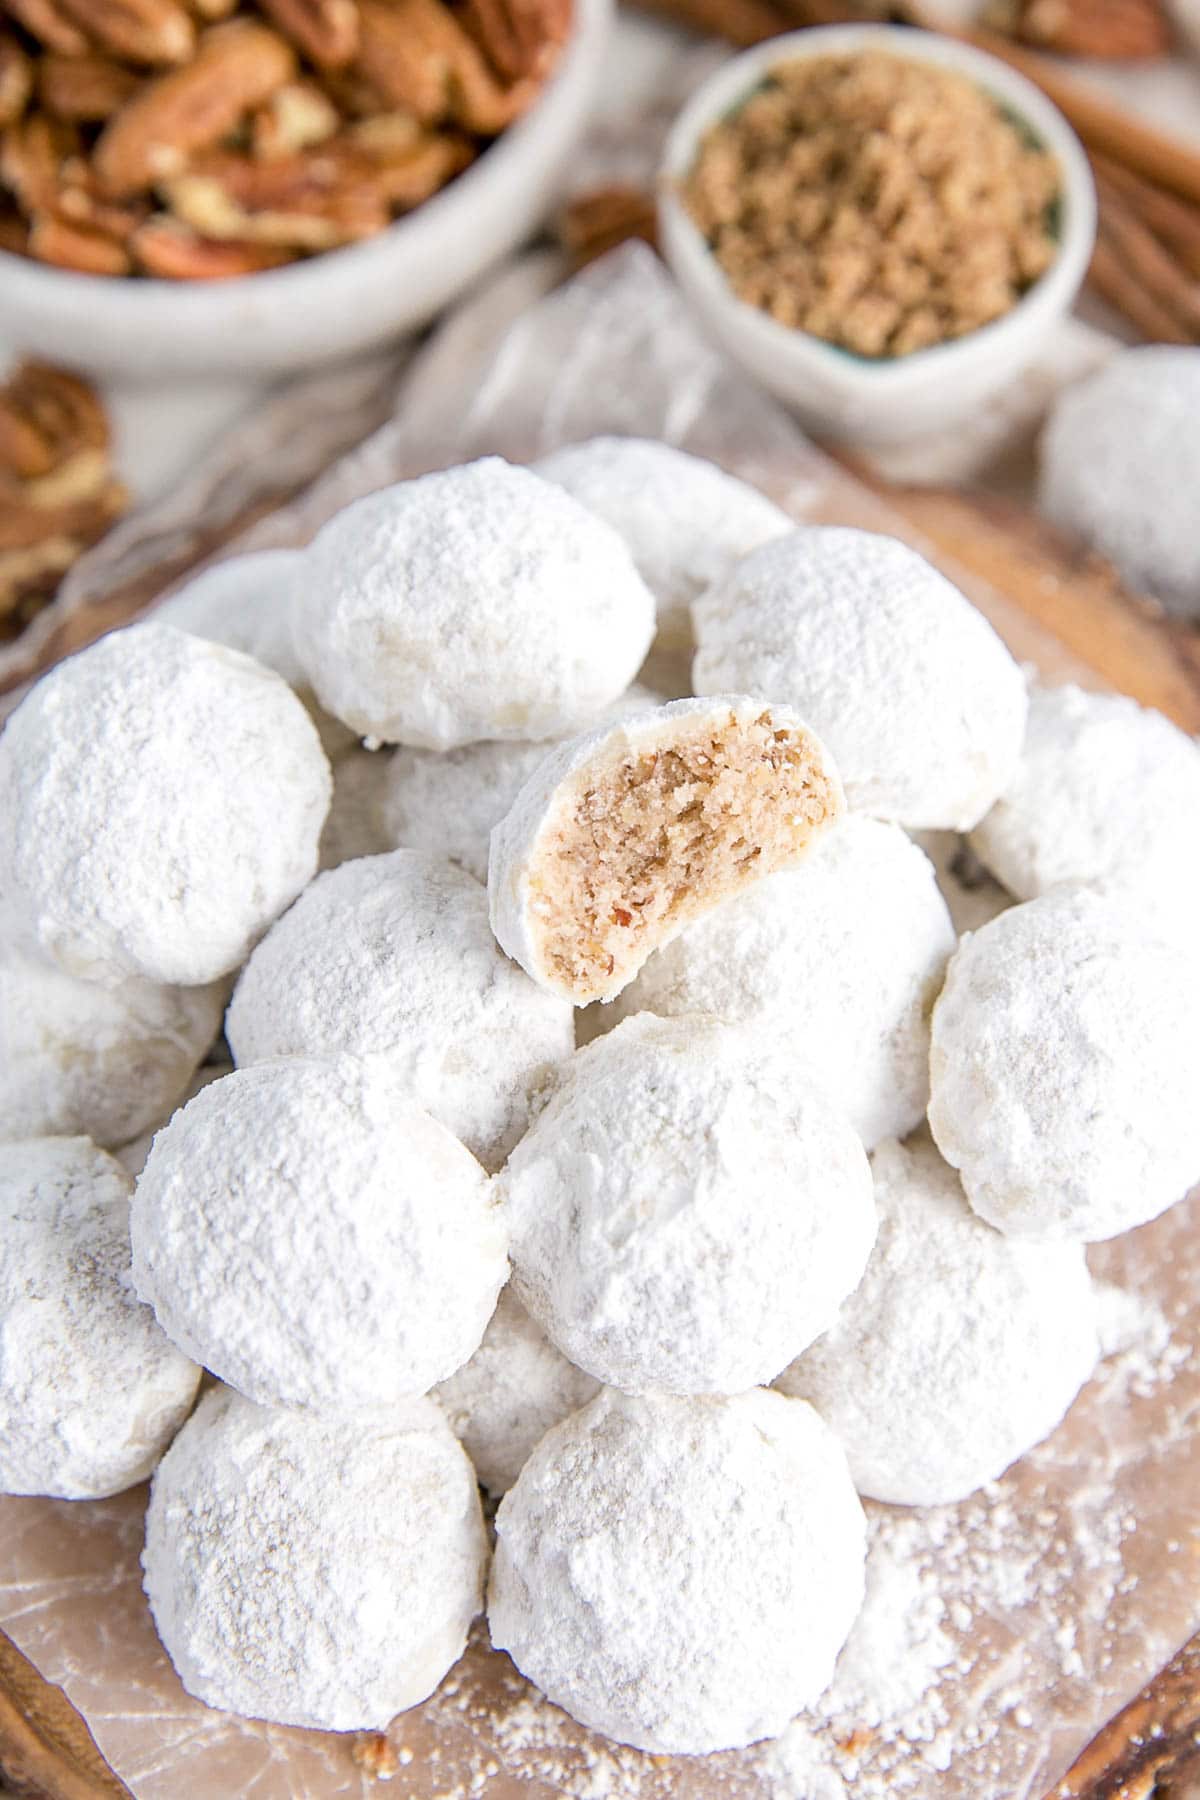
{"x":620,"y":838}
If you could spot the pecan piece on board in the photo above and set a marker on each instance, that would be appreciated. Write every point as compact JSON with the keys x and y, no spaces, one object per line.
{"x":32,"y":154}
{"x":16,"y":78}
{"x":325,"y":31}
{"x":237,"y":67}
{"x":520,"y":39}
{"x":141,"y":31}
{"x":47,"y":21}
{"x":166,"y":248}
{"x":83,"y":89}
{"x":46,"y":417}
{"x":295,"y":118}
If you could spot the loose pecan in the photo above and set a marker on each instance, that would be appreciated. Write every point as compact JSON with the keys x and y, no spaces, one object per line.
{"x":83,"y":89}
{"x":16,"y":79}
{"x":326,"y":31}
{"x":237,"y":67}
{"x":143,"y":31}
{"x":53,"y":239}
{"x":166,"y":248}
{"x":1115,"y":30}
{"x":420,"y":58}
{"x":46,"y":417}
{"x":28,"y":579}
{"x":32,"y":154}
{"x":520,"y":39}
{"x":295,"y":118}
{"x":47,"y":21}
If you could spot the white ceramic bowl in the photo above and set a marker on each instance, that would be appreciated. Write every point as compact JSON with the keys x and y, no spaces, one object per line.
{"x":332,"y":305}
{"x":836,"y":393}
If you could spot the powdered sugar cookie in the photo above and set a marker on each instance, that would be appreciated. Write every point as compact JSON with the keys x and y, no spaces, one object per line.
{"x":685,"y":520}
{"x":912,"y":690}
{"x":959,"y":1350}
{"x":313,"y":1571}
{"x":1065,"y":1066}
{"x":315,"y":1239}
{"x":161,"y":799}
{"x":91,"y":1392}
{"x":680,"y":1573}
{"x":476,"y":603}
{"x":687,"y":1212}
{"x":394,"y":954}
{"x":623,"y":836}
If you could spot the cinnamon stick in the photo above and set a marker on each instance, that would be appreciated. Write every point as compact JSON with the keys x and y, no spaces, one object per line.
{"x":1115,"y":282}
{"x":1148,"y":262}
{"x":1172,"y":221}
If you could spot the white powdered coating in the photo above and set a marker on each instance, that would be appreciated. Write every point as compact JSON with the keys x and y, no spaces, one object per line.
{"x":687,"y":1212}
{"x":916,"y":696}
{"x":515,"y":1387}
{"x":1120,"y":463}
{"x":959,"y":1350}
{"x":476,"y":603}
{"x":544,"y":804}
{"x":161,"y":799}
{"x":839,"y":961}
{"x":395,"y":954}
{"x":685,"y":520}
{"x":105,"y":1063}
{"x":246,"y":603}
{"x":971,"y":894}
{"x":680,"y":1573}
{"x":447,"y":804}
{"x":312,"y":1571}
{"x":1065,"y":1068}
{"x":1106,"y":796}
{"x":357,"y":824}
{"x":311,"y":1236}
{"x":91,"y":1392}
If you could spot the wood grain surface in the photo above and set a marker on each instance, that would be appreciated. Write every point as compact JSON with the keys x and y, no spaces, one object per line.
{"x":1151,"y":1751}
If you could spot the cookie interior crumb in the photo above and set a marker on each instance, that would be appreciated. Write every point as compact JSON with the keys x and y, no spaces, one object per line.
{"x":656,"y":837}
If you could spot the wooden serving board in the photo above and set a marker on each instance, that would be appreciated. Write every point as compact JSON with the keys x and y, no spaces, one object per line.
{"x":1067,"y":614}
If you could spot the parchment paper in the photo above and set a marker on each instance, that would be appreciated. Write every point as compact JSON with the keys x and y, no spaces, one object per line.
{"x":1022,"y":1619}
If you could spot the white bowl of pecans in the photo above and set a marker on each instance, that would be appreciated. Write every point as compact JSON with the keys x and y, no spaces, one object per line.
{"x":880,"y":224}
{"x":209,"y":187}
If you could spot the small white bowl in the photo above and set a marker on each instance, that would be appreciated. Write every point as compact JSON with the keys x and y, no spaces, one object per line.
{"x":836,"y":393}
{"x":329,"y":306}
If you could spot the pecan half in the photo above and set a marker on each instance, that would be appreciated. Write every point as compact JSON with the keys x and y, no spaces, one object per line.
{"x":53,"y":239}
{"x":309,"y":201}
{"x":16,"y":79}
{"x":418,"y":55}
{"x":520,"y":39}
{"x":143,"y":31}
{"x":167,"y":249}
{"x":326,"y":31}
{"x":47,"y":21}
{"x":46,"y":417}
{"x":83,"y":89}
{"x":237,"y":67}
{"x":78,"y":501}
{"x":295,"y":118}
{"x":32,"y":154}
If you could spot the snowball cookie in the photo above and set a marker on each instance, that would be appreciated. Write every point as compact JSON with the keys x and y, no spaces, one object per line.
{"x":685,"y":520}
{"x":475,"y":603}
{"x":1106,"y":796}
{"x":906,"y":682}
{"x":971,"y":894}
{"x":104,"y":1062}
{"x":356,"y":824}
{"x":1120,"y":460}
{"x":306,"y":1232}
{"x":313,"y":1571}
{"x":394,"y":954}
{"x":447,"y":804}
{"x":623,"y":836}
{"x":838,"y":962}
{"x":515,"y":1387}
{"x":245,"y":602}
{"x":680,"y":1573}
{"x":161,"y":799}
{"x":960,"y":1348}
{"x":1065,"y":1069}
{"x":91,"y":1392}
{"x":687,"y":1212}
